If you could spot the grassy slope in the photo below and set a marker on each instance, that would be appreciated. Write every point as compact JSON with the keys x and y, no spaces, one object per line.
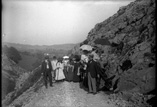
{"x":27,"y":62}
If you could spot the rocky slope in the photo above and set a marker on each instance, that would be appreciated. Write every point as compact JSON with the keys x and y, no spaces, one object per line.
{"x":126,"y":45}
{"x":16,"y":80}
{"x":10,"y":72}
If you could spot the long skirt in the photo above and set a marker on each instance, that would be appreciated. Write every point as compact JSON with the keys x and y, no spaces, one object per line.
{"x":59,"y":75}
{"x":76,"y":78}
{"x":65,"y":73}
{"x":85,"y":81}
{"x":70,"y":74}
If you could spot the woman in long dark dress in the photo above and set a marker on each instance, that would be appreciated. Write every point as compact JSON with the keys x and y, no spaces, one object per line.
{"x":84,"y":61}
{"x":85,"y":78}
{"x":82,"y":76}
{"x":70,"y":69}
{"x":76,"y":76}
{"x":65,"y":70}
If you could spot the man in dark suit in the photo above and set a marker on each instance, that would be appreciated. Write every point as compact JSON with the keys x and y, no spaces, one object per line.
{"x":46,"y":68}
{"x":92,"y":75}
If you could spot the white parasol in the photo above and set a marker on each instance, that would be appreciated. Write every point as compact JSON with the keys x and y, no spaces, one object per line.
{"x":65,"y":57}
{"x":86,"y":47}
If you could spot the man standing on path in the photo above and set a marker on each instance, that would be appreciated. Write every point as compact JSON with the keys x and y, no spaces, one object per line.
{"x":54,"y":67}
{"x":46,"y":68}
{"x":92,"y":75}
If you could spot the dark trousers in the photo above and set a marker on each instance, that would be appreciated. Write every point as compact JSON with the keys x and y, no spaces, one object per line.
{"x":48,"y":76}
{"x":82,"y":73}
{"x":92,"y":83}
{"x":53,"y":75}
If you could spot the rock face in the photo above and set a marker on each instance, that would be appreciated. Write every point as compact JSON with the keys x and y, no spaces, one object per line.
{"x":128,"y":50}
{"x":16,"y":80}
{"x":10,"y":74}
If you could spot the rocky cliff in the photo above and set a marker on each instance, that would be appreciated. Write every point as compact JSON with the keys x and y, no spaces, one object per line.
{"x":126,"y":45}
{"x":10,"y":74}
{"x":16,"y":80}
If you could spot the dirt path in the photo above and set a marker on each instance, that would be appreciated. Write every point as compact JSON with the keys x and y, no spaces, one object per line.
{"x":68,"y":95}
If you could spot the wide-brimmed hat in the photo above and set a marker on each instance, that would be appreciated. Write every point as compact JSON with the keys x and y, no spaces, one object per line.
{"x":65,"y":57}
{"x":86,"y":47}
{"x":46,"y":57}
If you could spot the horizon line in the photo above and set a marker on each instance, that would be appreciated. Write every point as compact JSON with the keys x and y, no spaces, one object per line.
{"x":39,"y":45}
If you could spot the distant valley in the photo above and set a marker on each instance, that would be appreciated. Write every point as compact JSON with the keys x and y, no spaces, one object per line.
{"x":24,"y":47}
{"x":32,"y":55}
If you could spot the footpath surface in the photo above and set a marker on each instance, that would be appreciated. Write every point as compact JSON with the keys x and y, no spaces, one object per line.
{"x":68,"y":94}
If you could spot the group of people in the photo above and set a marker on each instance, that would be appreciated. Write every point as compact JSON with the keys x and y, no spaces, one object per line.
{"x":83,"y":70}
{"x":52,"y":70}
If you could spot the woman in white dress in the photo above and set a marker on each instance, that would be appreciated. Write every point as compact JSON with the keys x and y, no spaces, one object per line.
{"x":59,"y":71}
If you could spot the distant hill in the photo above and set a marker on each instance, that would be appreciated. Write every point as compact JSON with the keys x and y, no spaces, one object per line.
{"x":30,"y":53}
{"x":25,"y":47}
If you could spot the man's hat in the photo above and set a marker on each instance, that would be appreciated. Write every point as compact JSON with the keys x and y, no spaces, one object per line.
{"x":46,"y":56}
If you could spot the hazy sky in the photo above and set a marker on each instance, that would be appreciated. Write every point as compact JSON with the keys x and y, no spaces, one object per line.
{"x":53,"y":22}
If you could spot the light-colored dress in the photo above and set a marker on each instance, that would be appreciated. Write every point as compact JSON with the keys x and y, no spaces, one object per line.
{"x":59,"y":72}
{"x":84,"y":58}
{"x":54,"y":66}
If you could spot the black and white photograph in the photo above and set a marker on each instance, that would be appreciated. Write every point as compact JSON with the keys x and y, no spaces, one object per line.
{"x":78,"y":53}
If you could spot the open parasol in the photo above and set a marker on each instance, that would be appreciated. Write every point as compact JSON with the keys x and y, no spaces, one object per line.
{"x":65,"y":57}
{"x":86,"y":47}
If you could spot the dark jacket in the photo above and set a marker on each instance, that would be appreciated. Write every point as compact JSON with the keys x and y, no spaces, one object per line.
{"x":92,"y":68}
{"x":44,"y":69}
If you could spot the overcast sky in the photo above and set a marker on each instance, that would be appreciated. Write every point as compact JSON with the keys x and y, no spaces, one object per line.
{"x":54,"y":22}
